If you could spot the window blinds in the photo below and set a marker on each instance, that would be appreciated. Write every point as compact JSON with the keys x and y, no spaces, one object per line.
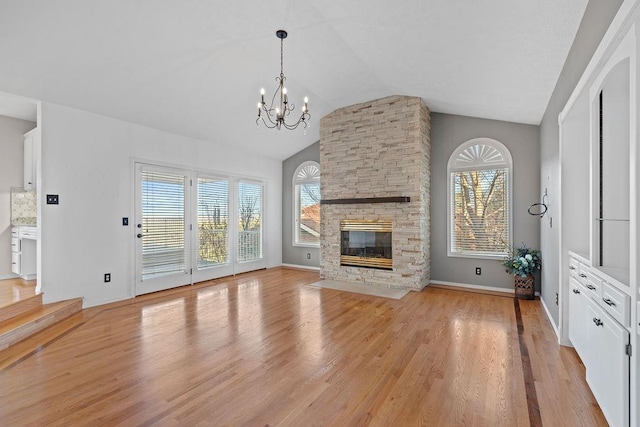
{"x":163,"y":224}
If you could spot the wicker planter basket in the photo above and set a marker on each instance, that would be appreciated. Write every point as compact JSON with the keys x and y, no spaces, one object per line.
{"x":525,"y":286}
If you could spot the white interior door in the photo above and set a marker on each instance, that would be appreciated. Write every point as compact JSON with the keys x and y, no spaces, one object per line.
{"x":162,"y":228}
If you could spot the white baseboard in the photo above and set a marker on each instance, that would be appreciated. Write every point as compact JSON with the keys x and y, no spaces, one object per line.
{"x":9,"y":276}
{"x":470,"y":286}
{"x":303,"y":267}
{"x":553,"y":323}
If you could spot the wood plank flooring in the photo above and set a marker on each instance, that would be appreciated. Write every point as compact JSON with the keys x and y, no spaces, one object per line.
{"x":264,"y":348}
{"x":14,"y":290}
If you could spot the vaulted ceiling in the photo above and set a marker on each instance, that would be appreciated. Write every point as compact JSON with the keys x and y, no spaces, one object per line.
{"x":195,"y":67}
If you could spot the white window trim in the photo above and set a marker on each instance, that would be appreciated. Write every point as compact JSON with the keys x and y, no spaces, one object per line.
{"x":296,"y":202}
{"x":508,"y":163}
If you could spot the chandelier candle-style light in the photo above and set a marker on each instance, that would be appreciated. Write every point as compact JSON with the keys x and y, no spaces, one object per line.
{"x":277,"y":113}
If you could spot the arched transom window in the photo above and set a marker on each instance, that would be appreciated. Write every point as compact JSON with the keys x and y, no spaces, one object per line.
{"x":480,"y":175}
{"x":306,"y":188}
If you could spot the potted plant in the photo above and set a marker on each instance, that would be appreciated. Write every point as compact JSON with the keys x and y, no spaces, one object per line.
{"x":522,"y":262}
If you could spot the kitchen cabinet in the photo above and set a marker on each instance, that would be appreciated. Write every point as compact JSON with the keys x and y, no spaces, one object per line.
{"x":31,"y":143}
{"x":23,"y":252}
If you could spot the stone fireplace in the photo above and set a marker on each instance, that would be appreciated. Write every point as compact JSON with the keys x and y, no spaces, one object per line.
{"x":374,"y":159}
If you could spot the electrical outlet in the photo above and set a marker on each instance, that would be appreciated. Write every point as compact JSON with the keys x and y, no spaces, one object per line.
{"x":107,"y":277}
{"x":478,"y":271}
{"x":52,"y":199}
{"x":308,"y":255}
{"x":125,"y":221}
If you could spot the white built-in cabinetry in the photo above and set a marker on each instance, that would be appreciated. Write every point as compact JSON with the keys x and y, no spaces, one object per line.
{"x":600,"y":220}
{"x":598,"y":329}
{"x":30,"y":158}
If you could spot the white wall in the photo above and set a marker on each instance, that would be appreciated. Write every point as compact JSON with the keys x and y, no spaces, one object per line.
{"x":87,"y":160}
{"x":448,"y":131}
{"x":11,"y":175}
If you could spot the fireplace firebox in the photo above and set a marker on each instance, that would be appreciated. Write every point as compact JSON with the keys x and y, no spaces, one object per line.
{"x":366,"y":243}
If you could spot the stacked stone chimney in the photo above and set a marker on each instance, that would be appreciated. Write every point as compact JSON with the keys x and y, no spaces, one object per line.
{"x":373,"y":150}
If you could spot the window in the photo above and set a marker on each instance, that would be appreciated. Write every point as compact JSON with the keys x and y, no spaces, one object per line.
{"x":306,"y":207}
{"x":249,"y":221}
{"x":479,"y":224}
{"x":213,"y":221}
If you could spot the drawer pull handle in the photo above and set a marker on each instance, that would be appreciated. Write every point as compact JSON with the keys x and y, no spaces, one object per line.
{"x":571,"y":267}
{"x":609,"y":302}
{"x":584,"y":276}
{"x":575,"y":291}
{"x":591,"y":287}
{"x":597,"y":321}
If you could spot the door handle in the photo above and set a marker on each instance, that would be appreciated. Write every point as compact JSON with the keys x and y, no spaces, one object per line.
{"x":609,"y":302}
{"x":582,"y":275}
{"x":139,"y":235}
{"x":597,"y":321}
{"x":591,"y":287}
{"x":139,"y":225}
{"x":575,"y":291}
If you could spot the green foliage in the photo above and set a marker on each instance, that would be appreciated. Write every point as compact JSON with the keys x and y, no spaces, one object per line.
{"x":522,"y":261}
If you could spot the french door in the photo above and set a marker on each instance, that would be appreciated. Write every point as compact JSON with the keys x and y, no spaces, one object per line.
{"x":192,"y":227}
{"x":162,"y":229}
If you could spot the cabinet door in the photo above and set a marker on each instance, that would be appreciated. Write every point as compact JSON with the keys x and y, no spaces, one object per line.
{"x":578,"y":318}
{"x":15,"y":262}
{"x":608,"y":364}
{"x":29,"y":178}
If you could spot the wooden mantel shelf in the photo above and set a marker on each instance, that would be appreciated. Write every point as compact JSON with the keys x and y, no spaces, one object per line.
{"x":398,"y":199}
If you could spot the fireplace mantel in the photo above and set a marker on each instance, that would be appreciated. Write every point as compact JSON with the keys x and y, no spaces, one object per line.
{"x":398,"y":199}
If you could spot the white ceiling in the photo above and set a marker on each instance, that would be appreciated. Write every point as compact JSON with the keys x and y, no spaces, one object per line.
{"x":195,"y":67}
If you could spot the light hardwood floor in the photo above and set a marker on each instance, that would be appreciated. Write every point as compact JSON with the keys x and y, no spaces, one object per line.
{"x":264,"y":348}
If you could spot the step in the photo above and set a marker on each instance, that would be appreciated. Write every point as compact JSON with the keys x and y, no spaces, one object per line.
{"x":18,"y":328}
{"x":39,"y":340}
{"x":20,"y":307}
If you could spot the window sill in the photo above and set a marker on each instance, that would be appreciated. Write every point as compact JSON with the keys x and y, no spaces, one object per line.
{"x":306,"y":245}
{"x":499,"y":257}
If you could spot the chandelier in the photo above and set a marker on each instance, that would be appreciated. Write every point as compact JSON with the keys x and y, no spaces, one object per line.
{"x":277,"y":113}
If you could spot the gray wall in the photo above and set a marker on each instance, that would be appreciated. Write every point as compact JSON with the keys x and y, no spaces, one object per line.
{"x":295,"y":254}
{"x":447,"y":133}
{"x":11,"y":175}
{"x":595,"y":22}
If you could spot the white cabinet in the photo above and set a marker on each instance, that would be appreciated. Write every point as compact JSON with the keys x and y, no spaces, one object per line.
{"x":23,"y":252}
{"x":577,"y":317}
{"x":608,"y":364}
{"x":598,"y":316}
{"x":30,"y":159}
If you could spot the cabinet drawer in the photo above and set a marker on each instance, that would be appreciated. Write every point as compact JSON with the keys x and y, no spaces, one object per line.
{"x":15,"y":245}
{"x":574,"y":266}
{"x":616,"y":303}
{"x":593,"y":284}
{"x":15,"y":262}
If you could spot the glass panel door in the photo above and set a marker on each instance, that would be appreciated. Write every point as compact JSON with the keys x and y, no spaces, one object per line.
{"x":213,"y":250}
{"x":250,"y":223}
{"x":162,"y":228}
